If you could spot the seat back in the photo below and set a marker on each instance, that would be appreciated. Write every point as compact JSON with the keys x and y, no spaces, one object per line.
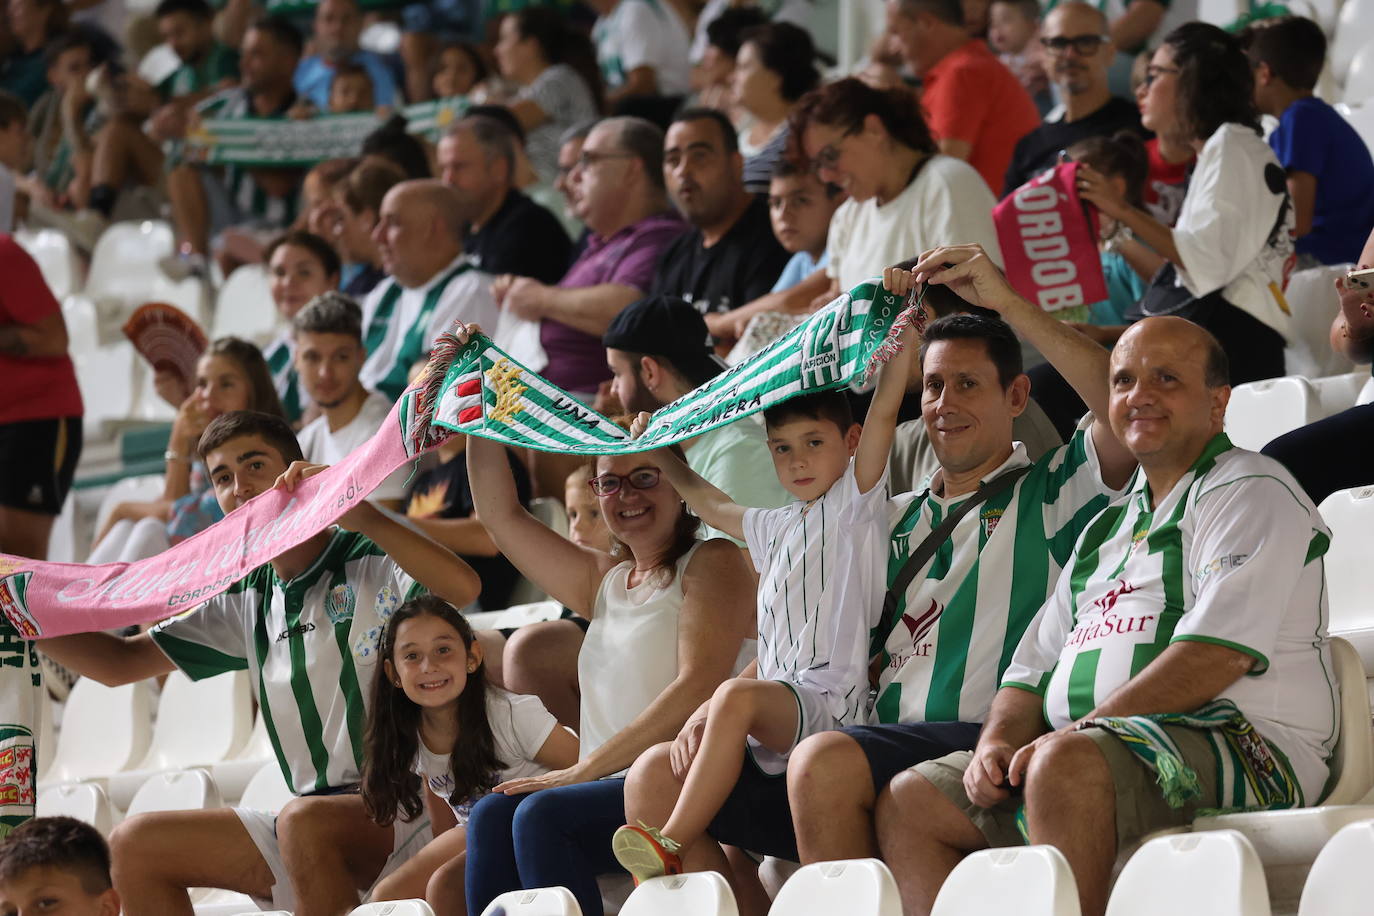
{"x":180,"y":790}
{"x":56,"y":259}
{"x":267,"y":790}
{"x":1359,"y":78}
{"x":849,"y":886}
{"x":1311,"y":298}
{"x":1336,"y":393}
{"x":1217,"y":873}
{"x":84,"y":801}
{"x":700,"y":894}
{"x":1354,"y":25}
{"x":200,"y":722}
{"x":1349,"y":574}
{"x":1341,"y":883}
{"x":1029,"y":881}
{"x":104,"y":730}
{"x":109,"y":378}
{"x":1352,"y":763}
{"x":1259,"y":412}
{"x":244,"y":307}
{"x":394,"y":908}
{"x":539,"y":901}
{"x":125,"y":273}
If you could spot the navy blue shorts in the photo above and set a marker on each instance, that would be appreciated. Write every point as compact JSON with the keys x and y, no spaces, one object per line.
{"x":758,"y":817}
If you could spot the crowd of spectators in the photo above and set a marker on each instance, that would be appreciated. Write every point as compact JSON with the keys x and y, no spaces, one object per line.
{"x":625,"y":195}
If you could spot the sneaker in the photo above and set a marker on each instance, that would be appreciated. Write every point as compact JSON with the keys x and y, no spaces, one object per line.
{"x":645,"y":852}
{"x":183,"y":265}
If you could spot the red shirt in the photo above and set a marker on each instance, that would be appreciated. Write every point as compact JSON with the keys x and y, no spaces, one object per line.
{"x":1165,"y":184}
{"x":33,"y":387}
{"x":971,"y":96}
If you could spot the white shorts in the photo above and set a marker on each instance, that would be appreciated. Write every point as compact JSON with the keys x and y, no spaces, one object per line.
{"x":813,"y":717}
{"x":408,"y":839}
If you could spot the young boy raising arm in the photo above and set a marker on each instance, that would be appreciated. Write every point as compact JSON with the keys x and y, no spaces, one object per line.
{"x":820,"y":562}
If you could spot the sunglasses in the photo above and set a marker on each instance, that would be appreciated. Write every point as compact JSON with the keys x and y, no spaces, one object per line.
{"x":639,"y":478}
{"x":1153,"y":73}
{"x":1085,"y":45}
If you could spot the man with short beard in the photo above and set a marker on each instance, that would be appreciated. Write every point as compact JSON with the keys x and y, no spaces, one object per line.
{"x":1078,"y":53}
{"x":731,"y":255}
{"x":338,"y":24}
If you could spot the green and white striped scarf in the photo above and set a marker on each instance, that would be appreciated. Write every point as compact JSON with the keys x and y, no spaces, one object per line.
{"x":480,"y":390}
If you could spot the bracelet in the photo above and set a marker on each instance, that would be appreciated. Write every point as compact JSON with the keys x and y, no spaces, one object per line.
{"x":170,"y":455}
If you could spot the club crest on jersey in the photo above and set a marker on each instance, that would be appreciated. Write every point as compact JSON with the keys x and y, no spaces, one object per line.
{"x":340,"y":603}
{"x":990,"y":518}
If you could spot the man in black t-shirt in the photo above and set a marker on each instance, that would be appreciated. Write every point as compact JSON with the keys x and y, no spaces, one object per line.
{"x":1078,"y":53}
{"x":731,"y":255}
{"x":508,"y":233}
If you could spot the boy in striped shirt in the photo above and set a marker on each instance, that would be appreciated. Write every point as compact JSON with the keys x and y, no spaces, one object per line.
{"x":820,"y":565}
{"x":305,"y":627}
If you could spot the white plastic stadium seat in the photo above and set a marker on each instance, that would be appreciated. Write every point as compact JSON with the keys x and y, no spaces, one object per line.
{"x":267,"y":790}
{"x":849,"y":886}
{"x":540,"y":901}
{"x":125,"y":274}
{"x":702,"y":894}
{"x":1339,"y":392}
{"x":1216,"y":873}
{"x":56,"y":259}
{"x":244,"y":306}
{"x":182,"y":790}
{"x":142,"y":488}
{"x":108,"y":378}
{"x":83,"y":326}
{"x":1354,"y":25}
{"x":1341,"y":882}
{"x":1359,"y":79}
{"x":233,"y":775}
{"x":159,"y":63}
{"x":1028,"y":881}
{"x":47,"y":738}
{"x":394,"y":908}
{"x":199,"y":723}
{"x":1260,"y":412}
{"x":84,"y":801}
{"x":1366,"y":395}
{"x":1311,"y":298}
{"x":104,"y":730}
{"x":1349,"y":573}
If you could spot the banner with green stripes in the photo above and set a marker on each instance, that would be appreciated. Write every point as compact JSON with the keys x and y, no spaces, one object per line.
{"x":486,"y":393}
{"x":301,"y":143}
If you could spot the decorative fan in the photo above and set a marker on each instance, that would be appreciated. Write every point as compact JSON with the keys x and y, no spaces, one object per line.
{"x":168,"y":339}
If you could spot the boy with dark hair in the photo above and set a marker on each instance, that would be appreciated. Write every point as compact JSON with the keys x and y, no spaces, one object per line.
{"x":1330,"y":172}
{"x":56,"y":865}
{"x":305,"y":627}
{"x":820,"y":561}
{"x":351,"y":89}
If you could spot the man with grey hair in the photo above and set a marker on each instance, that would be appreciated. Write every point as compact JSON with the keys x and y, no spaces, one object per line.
{"x":507,"y":232}
{"x":1078,"y":54}
{"x":619,"y":194}
{"x":429,"y":285}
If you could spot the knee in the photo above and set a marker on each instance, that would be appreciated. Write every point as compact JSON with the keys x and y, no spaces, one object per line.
{"x":736,"y":696}
{"x":1068,"y":762}
{"x":303,"y":821}
{"x":826,"y":764}
{"x":653,"y":768}
{"x":534,"y":651}
{"x":133,"y":843}
{"x":490,"y":817}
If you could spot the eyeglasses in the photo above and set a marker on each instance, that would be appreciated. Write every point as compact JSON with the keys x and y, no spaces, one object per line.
{"x":1085,"y":45}
{"x":590,"y":158}
{"x":639,"y":478}
{"x":1153,"y":73}
{"x":829,"y":155}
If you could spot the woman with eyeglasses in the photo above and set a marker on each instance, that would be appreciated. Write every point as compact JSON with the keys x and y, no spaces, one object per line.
{"x":669,"y":615}
{"x":1229,"y":252}
{"x":904,"y":196}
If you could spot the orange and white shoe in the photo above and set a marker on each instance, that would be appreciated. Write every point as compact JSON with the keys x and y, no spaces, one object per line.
{"x":645,"y":852}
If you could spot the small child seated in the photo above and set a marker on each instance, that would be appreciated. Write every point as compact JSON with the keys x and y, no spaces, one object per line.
{"x":56,"y":865}
{"x":820,"y":561}
{"x":1330,"y":171}
{"x":458,"y":68}
{"x":351,"y":89}
{"x":1123,"y":161}
{"x":1014,"y":33}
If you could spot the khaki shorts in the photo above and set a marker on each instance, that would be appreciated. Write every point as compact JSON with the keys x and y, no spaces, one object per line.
{"x":1140,"y":806}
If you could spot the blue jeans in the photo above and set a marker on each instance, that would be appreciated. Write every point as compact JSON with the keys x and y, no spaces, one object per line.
{"x":554,"y":838}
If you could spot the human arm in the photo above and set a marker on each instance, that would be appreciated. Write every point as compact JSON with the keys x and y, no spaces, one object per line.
{"x":1352,"y":330}
{"x":708,"y":502}
{"x":794,"y":300}
{"x":467,"y":536}
{"x":111,"y":660}
{"x":642,"y":80}
{"x":44,"y":337}
{"x":1097,"y":190}
{"x":231,"y":23}
{"x":529,"y":113}
{"x":1302,"y":188}
{"x":1013,"y":723}
{"x":589,"y":309}
{"x":688,"y":740}
{"x":1082,"y":363}
{"x":1133,"y":28}
{"x":559,"y":750}
{"x":880,"y":424}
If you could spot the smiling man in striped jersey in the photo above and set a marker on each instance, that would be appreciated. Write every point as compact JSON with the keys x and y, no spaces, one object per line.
{"x":1180,"y":663}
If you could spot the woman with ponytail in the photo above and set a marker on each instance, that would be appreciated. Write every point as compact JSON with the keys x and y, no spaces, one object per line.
{"x":439,"y":737}
{"x":904,"y":196}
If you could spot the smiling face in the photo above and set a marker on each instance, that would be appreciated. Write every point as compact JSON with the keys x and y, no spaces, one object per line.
{"x":296,"y":276}
{"x":47,"y":891}
{"x":641,"y":519}
{"x":809,"y":455}
{"x":241,"y":468}
{"x":221,"y":386}
{"x":328,"y":365}
{"x":455,"y":74}
{"x":853,"y":160}
{"x":1162,"y":408}
{"x":430,"y":661}
{"x":967,"y":412}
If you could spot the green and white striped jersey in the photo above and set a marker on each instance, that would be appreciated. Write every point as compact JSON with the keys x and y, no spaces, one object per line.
{"x":643,"y":33}
{"x":251,"y":200}
{"x":1232,"y":555}
{"x":400,"y":323}
{"x":310,"y":645}
{"x":963,"y":616}
{"x":280,"y":355}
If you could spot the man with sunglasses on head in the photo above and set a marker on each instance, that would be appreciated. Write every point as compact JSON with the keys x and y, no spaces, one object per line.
{"x":658,"y":349}
{"x":1078,"y":54}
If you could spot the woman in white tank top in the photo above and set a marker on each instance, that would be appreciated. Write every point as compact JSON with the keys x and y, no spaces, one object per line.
{"x":669,"y":614}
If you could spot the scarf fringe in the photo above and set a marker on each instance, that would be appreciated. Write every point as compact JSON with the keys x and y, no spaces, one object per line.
{"x":913,"y":312}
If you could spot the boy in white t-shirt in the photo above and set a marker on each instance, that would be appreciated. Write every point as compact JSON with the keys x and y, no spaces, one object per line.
{"x":820,"y":561}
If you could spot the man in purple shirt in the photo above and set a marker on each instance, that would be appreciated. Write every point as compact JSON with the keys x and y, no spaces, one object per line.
{"x":619,"y":191}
